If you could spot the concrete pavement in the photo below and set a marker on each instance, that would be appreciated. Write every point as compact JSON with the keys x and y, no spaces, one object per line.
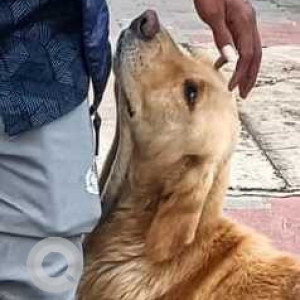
{"x":265,"y":183}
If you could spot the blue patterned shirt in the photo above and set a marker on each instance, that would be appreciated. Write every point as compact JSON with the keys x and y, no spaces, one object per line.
{"x":48,"y":51}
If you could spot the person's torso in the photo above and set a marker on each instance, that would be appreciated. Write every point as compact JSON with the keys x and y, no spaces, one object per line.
{"x":42,"y":70}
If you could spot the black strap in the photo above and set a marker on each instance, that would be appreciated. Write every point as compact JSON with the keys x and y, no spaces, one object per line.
{"x":97,"y":126}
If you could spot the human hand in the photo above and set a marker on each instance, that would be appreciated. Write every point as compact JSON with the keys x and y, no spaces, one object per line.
{"x":233,"y":22}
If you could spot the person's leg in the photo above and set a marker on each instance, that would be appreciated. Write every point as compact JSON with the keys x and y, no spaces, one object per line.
{"x":15,"y":282}
{"x":44,"y":193}
{"x":43,"y":179}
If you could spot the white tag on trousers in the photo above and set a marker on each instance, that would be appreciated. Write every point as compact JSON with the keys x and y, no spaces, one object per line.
{"x":92,"y":185}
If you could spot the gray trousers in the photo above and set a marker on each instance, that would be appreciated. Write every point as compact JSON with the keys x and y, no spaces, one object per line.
{"x":15,"y":283}
{"x":44,"y":193}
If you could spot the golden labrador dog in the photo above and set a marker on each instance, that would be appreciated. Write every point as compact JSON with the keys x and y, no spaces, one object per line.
{"x":166,"y":237}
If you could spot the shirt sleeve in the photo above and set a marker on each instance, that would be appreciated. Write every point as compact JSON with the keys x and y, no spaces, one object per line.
{"x":97,"y":49}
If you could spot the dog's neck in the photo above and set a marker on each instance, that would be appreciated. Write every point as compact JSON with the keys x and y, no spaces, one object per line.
{"x":140,"y":192}
{"x":154,"y":182}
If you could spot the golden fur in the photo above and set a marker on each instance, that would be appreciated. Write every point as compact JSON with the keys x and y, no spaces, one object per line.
{"x":166,"y":238}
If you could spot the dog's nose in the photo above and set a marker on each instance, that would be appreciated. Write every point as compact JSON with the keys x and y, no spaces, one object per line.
{"x":146,"y":26}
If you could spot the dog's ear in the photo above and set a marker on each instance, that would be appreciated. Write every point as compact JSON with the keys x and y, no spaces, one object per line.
{"x":179,"y":211}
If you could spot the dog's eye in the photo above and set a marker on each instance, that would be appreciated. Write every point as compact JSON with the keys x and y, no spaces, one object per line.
{"x":190,"y":93}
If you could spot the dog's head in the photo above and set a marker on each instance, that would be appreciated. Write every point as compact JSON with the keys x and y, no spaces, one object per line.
{"x":176,"y":103}
{"x":176,"y":106}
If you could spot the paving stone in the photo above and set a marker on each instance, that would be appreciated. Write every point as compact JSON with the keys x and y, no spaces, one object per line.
{"x":251,"y":169}
{"x":273,"y":116}
{"x":279,"y":219}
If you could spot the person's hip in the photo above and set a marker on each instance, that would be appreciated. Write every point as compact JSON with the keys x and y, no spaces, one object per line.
{"x":43,"y":179}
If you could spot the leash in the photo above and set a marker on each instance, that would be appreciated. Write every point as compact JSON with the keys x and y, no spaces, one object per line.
{"x":96,"y":124}
{"x":92,"y":184}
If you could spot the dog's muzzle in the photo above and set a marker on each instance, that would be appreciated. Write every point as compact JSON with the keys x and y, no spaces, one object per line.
{"x":146,"y":26}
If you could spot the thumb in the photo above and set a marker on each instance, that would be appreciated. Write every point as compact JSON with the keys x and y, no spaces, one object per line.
{"x":223,"y":40}
{"x":228,"y":54}
{"x":222,"y":35}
